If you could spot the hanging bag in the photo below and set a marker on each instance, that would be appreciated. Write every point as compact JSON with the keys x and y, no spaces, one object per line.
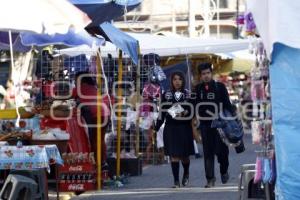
{"x":230,"y":128}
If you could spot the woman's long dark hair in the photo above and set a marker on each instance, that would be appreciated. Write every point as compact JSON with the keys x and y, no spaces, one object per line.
{"x":181,"y":75}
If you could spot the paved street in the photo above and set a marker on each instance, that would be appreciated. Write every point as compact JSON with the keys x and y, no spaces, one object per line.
{"x":156,"y":182}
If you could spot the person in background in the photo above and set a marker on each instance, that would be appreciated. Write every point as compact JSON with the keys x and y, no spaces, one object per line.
{"x":9,"y":98}
{"x":212,"y":92}
{"x":86,"y":93}
{"x":178,"y":133}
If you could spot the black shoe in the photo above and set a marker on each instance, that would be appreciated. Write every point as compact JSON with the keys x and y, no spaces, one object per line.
{"x":210,"y":184}
{"x":176,"y":185}
{"x":198,"y":155}
{"x":225,"y":178}
{"x":185,"y":180}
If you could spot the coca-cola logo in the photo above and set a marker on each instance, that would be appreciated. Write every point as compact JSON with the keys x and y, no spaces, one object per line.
{"x":75,"y":168}
{"x":75,"y":187}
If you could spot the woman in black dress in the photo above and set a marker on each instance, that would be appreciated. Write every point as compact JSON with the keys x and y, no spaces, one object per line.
{"x":178,"y":132}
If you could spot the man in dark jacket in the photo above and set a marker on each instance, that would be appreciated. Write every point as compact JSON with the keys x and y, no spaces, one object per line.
{"x":211,"y":98}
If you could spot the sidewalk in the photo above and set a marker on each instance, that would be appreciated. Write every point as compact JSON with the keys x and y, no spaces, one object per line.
{"x":156,"y":182}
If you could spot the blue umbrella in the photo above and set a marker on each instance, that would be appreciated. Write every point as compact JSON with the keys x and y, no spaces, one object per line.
{"x":16,"y":42}
{"x":105,"y":10}
{"x":125,"y":42}
{"x":23,"y":41}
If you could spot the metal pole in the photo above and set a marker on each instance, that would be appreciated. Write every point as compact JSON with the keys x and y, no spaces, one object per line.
{"x":237,"y":14}
{"x":138,"y":99}
{"x":99,"y":123}
{"x":173,"y":19}
{"x":218,"y":18}
{"x":120,"y":78}
{"x":192,"y":19}
{"x":206,"y":18}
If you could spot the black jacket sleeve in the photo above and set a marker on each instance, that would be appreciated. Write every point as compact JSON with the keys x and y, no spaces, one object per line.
{"x":190,"y":102}
{"x":224,"y":97}
{"x":194,"y":95}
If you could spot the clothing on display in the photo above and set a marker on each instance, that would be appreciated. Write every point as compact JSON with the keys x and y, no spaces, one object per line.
{"x":159,"y":73}
{"x":257,"y":132}
{"x":258,"y":90}
{"x":265,"y":170}
{"x":159,"y":137}
{"x":151,"y":91}
{"x":262,"y":133}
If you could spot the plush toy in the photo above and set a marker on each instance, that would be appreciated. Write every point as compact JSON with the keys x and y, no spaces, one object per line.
{"x":240,"y":20}
{"x":250,"y":24}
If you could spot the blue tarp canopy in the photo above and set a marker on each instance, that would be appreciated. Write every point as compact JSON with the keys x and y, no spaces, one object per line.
{"x":285,"y":90}
{"x":123,"y":41}
{"x":23,"y":41}
{"x":105,"y":10}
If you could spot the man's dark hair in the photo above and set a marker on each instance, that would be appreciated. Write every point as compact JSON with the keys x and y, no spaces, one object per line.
{"x":205,"y":66}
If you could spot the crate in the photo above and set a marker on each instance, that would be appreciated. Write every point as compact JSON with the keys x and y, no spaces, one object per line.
{"x":129,"y":166}
{"x":77,"y":177}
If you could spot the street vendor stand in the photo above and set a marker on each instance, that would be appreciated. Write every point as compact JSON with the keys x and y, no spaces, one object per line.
{"x":29,"y":158}
{"x":282,"y":47}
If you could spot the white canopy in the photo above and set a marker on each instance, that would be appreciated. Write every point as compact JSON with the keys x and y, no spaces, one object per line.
{"x":277,"y":21}
{"x":41,"y":16}
{"x":169,"y":46}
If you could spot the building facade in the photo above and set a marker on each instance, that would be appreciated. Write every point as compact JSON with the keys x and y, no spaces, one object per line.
{"x":197,"y":18}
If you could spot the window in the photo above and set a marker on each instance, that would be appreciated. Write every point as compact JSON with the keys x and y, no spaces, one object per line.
{"x":223,"y":3}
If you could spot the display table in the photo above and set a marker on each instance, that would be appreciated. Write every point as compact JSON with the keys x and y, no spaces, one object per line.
{"x":29,"y":157}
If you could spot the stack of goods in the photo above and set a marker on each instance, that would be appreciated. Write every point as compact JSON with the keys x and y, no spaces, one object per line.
{"x":9,"y":131}
{"x":51,"y":134}
{"x":78,"y":173}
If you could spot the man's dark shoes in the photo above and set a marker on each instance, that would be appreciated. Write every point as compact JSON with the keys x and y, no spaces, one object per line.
{"x":225,"y":178}
{"x":210,"y":184}
{"x":185,"y":180}
{"x":198,"y":155}
{"x":176,"y":184}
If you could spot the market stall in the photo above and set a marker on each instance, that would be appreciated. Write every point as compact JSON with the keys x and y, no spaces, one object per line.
{"x":282,"y":47}
{"x":44,"y":18}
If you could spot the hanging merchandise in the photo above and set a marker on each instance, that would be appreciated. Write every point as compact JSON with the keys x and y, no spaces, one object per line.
{"x":264,"y":66}
{"x":159,"y":73}
{"x":273,"y":171}
{"x":268,"y":111}
{"x":146,"y":122}
{"x":151,"y":91}
{"x":159,"y":137}
{"x":258,"y":91}
{"x":130,"y":118}
{"x":255,"y":72}
{"x":258,"y":170}
{"x":266,"y":170}
{"x":267,"y":131}
{"x":257,"y":130}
